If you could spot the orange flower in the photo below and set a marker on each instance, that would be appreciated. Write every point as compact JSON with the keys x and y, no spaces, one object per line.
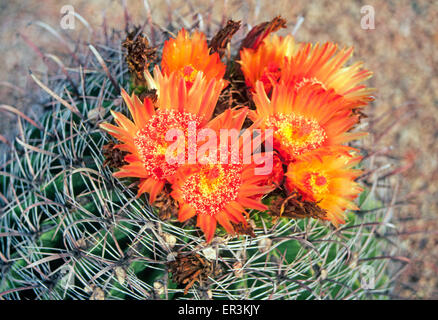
{"x":187,"y":56}
{"x":325,"y":65}
{"x":145,"y":137}
{"x":303,"y":120}
{"x":266,"y":62}
{"x":218,"y":192}
{"x":276,"y":177}
{"x":326,"y":177}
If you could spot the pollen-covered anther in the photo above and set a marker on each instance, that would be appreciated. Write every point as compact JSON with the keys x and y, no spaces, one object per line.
{"x":151,"y":143}
{"x":211,"y":189}
{"x":296,"y":134}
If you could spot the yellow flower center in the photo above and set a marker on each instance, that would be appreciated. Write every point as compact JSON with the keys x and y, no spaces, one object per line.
{"x":212,"y":188}
{"x":295,"y":134}
{"x":160,"y":149}
{"x":189,"y":73}
{"x":317,"y":183}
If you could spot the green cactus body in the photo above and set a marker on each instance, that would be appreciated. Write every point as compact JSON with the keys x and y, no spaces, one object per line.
{"x":70,"y":230}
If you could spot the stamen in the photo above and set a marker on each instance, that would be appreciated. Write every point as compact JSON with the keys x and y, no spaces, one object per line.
{"x":211,"y":189}
{"x":189,"y":73}
{"x":317,"y":183}
{"x":295,"y":134}
{"x":151,"y":143}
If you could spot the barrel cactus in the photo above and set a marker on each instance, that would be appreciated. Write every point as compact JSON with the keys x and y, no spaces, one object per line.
{"x":71,"y":229}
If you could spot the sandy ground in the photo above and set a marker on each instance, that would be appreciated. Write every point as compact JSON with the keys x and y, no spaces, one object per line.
{"x":401,"y":51}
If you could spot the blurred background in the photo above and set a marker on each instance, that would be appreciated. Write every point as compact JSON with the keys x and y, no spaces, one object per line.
{"x":401,"y":50}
